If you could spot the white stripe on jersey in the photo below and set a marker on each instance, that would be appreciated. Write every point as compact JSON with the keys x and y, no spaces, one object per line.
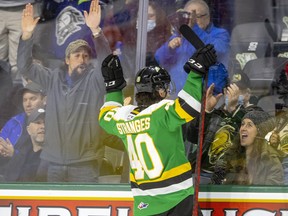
{"x":111,"y":103}
{"x":190,"y":100}
{"x":149,"y":110}
{"x":164,"y":190}
{"x":124,"y":113}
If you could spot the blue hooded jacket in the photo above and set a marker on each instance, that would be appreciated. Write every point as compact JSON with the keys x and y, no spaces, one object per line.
{"x":13,"y":129}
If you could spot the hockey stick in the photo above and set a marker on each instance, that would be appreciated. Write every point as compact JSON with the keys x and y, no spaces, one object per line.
{"x":190,"y":35}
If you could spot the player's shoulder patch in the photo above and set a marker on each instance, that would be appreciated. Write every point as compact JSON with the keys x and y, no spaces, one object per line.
{"x":142,"y":205}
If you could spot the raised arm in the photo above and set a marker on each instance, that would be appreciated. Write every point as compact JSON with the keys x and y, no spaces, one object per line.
{"x":34,"y":71}
{"x":190,"y":97}
{"x":211,"y":99}
{"x":114,"y":83}
{"x":92,"y":20}
{"x":28,"y":22}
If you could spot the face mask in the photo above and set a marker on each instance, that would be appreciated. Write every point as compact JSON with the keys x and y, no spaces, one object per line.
{"x":151,"y":25}
{"x":226,"y":101}
{"x":241,"y":100}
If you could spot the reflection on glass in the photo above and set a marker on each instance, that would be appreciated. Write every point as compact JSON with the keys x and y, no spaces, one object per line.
{"x":251,"y":43}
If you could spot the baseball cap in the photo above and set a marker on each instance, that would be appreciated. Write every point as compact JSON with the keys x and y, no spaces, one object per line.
{"x":75,"y":45}
{"x":32,"y":86}
{"x":241,"y":80}
{"x":35,"y":115}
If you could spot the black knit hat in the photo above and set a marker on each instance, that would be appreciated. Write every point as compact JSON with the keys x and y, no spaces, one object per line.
{"x":263,"y":121}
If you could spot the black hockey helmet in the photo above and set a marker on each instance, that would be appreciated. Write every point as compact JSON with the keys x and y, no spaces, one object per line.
{"x":151,"y":79}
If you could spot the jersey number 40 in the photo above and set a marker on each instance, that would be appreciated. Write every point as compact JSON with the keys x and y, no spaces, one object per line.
{"x":144,"y":157}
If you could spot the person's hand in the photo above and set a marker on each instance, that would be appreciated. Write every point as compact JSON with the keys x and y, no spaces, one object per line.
{"x":93,"y":18}
{"x":175,"y":42}
{"x":201,"y":60}
{"x":274,"y":139}
{"x":211,"y":100}
{"x":232,"y":93}
{"x":127,"y":101}
{"x":112,"y":73}
{"x":6,"y":148}
{"x":192,"y":19}
{"x":28,"y":22}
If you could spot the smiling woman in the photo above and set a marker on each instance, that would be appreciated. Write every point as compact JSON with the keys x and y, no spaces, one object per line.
{"x":250,"y":160}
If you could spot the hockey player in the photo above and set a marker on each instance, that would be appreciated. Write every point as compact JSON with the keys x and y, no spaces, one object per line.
{"x":160,"y":174}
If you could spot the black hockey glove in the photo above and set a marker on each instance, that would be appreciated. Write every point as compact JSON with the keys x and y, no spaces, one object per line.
{"x":201,"y":60}
{"x":112,"y":73}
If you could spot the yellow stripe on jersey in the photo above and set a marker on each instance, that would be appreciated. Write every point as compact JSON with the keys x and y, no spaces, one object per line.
{"x":181,"y":112}
{"x":176,"y":171}
{"x":135,"y":112}
{"x":105,"y":109}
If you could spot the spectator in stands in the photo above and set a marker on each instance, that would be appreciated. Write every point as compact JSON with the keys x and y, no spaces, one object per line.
{"x":250,"y":160}
{"x":221,"y":124}
{"x":282,"y":85}
{"x":158,"y":31}
{"x":33,"y":97}
{"x":14,"y":130}
{"x":279,"y":139}
{"x":174,"y":53}
{"x":23,"y":167}
{"x":75,"y":93}
{"x":10,"y":30}
{"x":6,"y":88}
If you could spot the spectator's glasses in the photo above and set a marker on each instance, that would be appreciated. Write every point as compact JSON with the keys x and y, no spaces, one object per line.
{"x":199,"y":16}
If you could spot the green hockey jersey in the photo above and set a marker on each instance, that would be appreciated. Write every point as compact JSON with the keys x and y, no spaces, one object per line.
{"x":160,"y":173}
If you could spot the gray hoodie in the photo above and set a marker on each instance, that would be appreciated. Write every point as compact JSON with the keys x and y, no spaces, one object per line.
{"x":71,"y":124}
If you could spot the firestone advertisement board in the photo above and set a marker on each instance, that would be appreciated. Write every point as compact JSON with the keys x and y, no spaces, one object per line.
{"x":117,"y":200}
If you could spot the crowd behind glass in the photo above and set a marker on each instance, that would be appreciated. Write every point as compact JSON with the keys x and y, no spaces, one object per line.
{"x":253,"y":53}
